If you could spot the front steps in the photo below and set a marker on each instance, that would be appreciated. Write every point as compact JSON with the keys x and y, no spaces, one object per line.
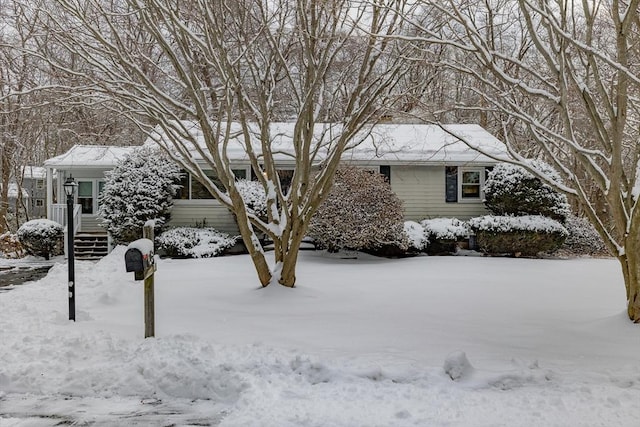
{"x":90,"y":246}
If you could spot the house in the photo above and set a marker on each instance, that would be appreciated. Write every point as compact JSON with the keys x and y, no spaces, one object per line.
{"x":27,"y":193}
{"x":34,"y":183}
{"x":435,"y":173}
{"x":16,"y":196}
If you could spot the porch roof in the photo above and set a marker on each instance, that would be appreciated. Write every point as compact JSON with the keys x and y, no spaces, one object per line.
{"x":88,"y":156}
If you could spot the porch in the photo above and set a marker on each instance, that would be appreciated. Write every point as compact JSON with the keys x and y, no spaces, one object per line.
{"x":89,"y":242}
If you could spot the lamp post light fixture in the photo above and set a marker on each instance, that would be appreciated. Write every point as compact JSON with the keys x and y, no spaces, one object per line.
{"x":70,"y":186}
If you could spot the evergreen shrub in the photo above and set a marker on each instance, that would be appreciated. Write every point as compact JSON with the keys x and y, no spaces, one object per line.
{"x":140,"y":188}
{"x":360,"y":213}
{"x":512,"y":190}
{"x":443,"y":234}
{"x":526,"y":235}
{"x":583,"y":239}
{"x":416,"y":238}
{"x":254,"y":196}
{"x":41,"y":237}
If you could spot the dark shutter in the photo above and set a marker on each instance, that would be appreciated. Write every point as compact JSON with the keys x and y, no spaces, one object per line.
{"x":451,"y":184}
{"x":385,"y":170}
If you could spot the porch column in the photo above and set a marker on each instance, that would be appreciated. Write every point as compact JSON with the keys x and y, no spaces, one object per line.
{"x":49,"y":198}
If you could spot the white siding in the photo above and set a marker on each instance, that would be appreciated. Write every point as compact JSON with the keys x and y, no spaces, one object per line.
{"x":188,"y":213}
{"x":422,"y":190}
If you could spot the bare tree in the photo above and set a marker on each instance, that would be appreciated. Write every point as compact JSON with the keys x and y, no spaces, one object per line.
{"x":568,"y":76}
{"x":226,"y":71}
{"x":17,"y":81}
{"x":39,"y":116}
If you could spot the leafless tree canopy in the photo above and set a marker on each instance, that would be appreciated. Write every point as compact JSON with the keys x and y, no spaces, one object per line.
{"x":563,"y":75}
{"x":169,"y":65}
{"x":554,"y":79}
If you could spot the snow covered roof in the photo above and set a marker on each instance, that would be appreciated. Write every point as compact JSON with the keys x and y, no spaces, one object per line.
{"x":424,"y":144}
{"x":384,"y":144}
{"x":13,"y":190}
{"x":89,"y":156}
{"x":34,"y":172}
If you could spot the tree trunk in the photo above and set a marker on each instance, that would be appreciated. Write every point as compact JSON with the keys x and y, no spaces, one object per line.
{"x":631,"y":276}
{"x":262,"y":267}
{"x":4,"y":200}
{"x":288,"y":273}
{"x":630,"y":262}
{"x":289,"y":256}
{"x":251,"y":241}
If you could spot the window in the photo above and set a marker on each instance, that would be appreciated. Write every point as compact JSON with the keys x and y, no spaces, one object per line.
{"x":39,"y":184}
{"x":385,"y":170}
{"x":39,"y":203}
{"x":470,"y":188}
{"x":185,"y":185}
{"x":85,"y":196}
{"x":199,"y":191}
{"x":284,"y":175}
{"x":464,"y":183}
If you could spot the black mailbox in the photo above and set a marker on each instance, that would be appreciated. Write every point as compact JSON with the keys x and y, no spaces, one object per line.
{"x":135,"y":260}
{"x":139,"y":258}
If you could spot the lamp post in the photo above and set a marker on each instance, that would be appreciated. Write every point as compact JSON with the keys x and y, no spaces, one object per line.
{"x":69,"y":189}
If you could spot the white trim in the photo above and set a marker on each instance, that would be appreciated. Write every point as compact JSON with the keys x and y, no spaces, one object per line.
{"x":196,"y":202}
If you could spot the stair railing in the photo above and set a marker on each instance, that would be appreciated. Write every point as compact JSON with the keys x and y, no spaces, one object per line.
{"x":59,"y":215}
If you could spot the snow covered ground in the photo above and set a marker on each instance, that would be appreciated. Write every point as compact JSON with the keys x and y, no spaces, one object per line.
{"x":360,"y":342}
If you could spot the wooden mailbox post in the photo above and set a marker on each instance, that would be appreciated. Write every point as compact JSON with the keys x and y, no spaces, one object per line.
{"x":140,"y":260}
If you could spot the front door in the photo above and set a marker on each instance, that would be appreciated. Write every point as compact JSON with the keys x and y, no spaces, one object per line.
{"x":88,"y":191}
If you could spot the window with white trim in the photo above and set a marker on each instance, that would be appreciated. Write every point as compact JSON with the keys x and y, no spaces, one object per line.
{"x":471,"y":183}
{"x":464,"y":184}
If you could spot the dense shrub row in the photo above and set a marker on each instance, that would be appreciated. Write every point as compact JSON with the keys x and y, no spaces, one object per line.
{"x":525,"y":235}
{"x":191,"y":242}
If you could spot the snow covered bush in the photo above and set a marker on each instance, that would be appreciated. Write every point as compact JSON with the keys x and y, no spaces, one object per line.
{"x":360,"y":213}
{"x":525,"y":235}
{"x":416,"y":239}
{"x":445,"y":229}
{"x":190,"y":242}
{"x":254,"y":196}
{"x":41,"y":237}
{"x":512,"y":190}
{"x":583,"y":239}
{"x":443,"y":234}
{"x":140,"y":188}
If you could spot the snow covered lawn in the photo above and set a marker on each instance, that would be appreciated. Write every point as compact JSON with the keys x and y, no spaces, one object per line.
{"x":358,"y":343}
